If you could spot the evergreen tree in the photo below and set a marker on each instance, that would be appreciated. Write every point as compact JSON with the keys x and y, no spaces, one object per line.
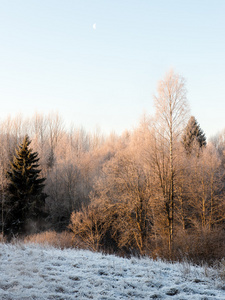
{"x":193,"y":134}
{"x":25,"y":201}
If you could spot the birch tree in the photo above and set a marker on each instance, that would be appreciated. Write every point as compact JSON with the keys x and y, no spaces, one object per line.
{"x":171,"y":113}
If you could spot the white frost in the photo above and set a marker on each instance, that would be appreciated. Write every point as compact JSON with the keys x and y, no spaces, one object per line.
{"x":36,"y":272}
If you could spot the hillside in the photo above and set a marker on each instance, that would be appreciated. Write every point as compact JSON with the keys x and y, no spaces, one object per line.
{"x":37,"y":272}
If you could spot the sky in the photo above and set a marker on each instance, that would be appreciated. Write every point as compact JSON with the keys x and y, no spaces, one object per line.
{"x":52,"y":59}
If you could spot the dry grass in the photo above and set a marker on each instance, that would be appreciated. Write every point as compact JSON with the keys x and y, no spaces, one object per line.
{"x":221,"y":269}
{"x":59,"y":240}
{"x":2,"y":239}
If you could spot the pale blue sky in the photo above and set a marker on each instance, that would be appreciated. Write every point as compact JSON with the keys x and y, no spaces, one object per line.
{"x":51,"y":58}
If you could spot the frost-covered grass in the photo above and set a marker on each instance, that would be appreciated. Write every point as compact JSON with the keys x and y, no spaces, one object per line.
{"x":29,"y":271}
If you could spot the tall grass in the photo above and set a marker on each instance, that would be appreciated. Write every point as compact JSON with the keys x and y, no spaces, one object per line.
{"x":52,"y":238}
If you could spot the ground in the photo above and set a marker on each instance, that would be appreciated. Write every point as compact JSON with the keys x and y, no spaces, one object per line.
{"x":42,"y":272}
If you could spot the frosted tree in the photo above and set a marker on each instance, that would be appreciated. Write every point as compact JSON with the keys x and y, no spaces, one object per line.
{"x":171,"y":113}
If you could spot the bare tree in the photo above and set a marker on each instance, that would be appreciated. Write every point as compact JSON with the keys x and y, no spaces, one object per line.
{"x":124,"y":191}
{"x":206,"y":189}
{"x":55,"y":128}
{"x":171,"y":114}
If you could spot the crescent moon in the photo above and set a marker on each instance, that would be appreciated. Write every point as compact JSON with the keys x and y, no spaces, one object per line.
{"x":94,"y":26}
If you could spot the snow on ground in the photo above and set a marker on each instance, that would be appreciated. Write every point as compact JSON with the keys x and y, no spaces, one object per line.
{"x":38,"y":272}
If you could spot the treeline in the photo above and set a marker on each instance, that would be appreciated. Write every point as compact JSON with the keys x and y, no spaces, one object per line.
{"x":158,"y":190}
{"x":69,"y":160}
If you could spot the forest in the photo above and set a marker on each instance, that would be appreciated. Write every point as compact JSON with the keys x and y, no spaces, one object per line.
{"x":158,"y":190}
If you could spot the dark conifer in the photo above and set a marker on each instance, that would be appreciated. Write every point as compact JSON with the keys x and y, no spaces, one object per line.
{"x":25,"y":201}
{"x":193,"y":134}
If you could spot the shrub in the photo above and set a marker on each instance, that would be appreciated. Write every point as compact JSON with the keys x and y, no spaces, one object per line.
{"x":88,"y":228}
{"x":202,"y":246}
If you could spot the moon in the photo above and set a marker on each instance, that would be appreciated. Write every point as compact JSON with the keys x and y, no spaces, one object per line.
{"x":94,"y":26}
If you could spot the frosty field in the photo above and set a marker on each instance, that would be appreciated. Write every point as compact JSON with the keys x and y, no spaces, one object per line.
{"x":38,"y":272}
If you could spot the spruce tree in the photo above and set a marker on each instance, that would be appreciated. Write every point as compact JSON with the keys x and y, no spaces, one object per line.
{"x":193,"y":134}
{"x":25,"y":201}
